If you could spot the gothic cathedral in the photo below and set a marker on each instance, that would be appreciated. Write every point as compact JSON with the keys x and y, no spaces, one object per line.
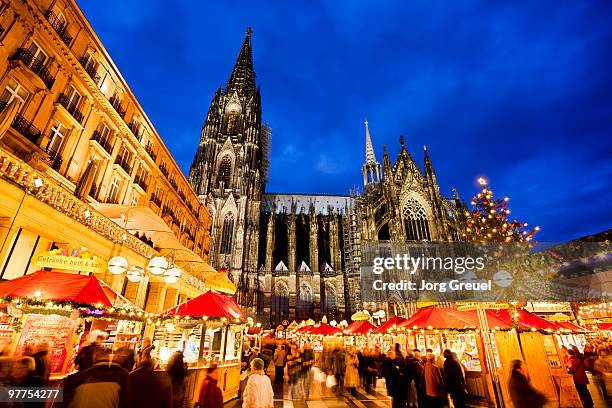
{"x":296,"y":256}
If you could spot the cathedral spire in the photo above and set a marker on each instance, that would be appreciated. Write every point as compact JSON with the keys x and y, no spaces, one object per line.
{"x":386,"y":161}
{"x":428,"y":166}
{"x":242,"y":78}
{"x":370,"y":156}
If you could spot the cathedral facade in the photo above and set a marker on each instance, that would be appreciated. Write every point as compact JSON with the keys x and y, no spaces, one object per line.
{"x":296,"y":256}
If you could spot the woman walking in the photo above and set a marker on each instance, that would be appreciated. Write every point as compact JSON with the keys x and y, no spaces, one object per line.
{"x":351,"y":378}
{"x":522,"y":393}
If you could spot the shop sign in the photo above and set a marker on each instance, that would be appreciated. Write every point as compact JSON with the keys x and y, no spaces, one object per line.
{"x":542,"y":307}
{"x":55,"y":260}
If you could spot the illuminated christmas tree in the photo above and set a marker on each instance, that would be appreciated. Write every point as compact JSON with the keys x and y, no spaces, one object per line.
{"x":489,"y":220}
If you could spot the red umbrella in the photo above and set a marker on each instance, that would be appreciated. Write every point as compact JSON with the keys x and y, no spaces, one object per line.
{"x":325,"y":329}
{"x":209,"y":304}
{"x":359,"y":327}
{"x":59,"y":286}
{"x":390,"y":324}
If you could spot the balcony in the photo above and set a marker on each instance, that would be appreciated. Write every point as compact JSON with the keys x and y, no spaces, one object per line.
{"x":71,"y":107}
{"x":56,"y":159}
{"x":23,"y":126}
{"x":156,"y":199}
{"x":173,"y":183}
{"x":164,"y":170}
{"x":90,"y":67}
{"x":135,"y":128}
{"x":116,"y":104}
{"x":103,"y":141}
{"x":123,"y":162}
{"x":141,"y":181}
{"x":37,"y":66}
{"x":59,"y":26}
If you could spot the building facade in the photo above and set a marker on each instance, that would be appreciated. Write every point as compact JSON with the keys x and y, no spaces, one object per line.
{"x":74,"y":139}
{"x":295,"y":256}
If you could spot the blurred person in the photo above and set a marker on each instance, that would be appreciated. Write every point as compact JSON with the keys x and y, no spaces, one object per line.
{"x":522,"y":393}
{"x":602,"y":369}
{"x":411,"y":378}
{"x":279,"y":363}
{"x":145,"y":388}
{"x":41,"y":359}
{"x":339,"y":369}
{"x":210,"y":393}
{"x":24,"y":375}
{"x":454,"y":380}
{"x":105,"y":379}
{"x":396,"y":379}
{"x":177,"y":371}
{"x":294,"y":370}
{"x":124,"y":356}
{"x":258,"y":392}
{"x":577,"y":369}
{"x":144,"y":352}
{"x":85,"y":356}
{"x":434,"y":383}
{"x":351,"y":378}
{"x":308,"y":360}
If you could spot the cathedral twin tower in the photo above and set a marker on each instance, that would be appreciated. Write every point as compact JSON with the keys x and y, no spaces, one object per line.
{"x":296,"y":256}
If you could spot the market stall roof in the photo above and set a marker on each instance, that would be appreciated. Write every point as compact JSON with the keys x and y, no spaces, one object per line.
{"x":304,"y":330}
{"x":573,"y":327}
{"x":208,"y":304}
{"x":605,"y":326}
{"x":325,"y":329}
{"x":254,"y":330}
{"x":525,"y":320}
{"x":59,"y":286}
{"x":440,"y":318}
{"x":360,"y":327}
{"x":143,"y":220}
{"x":395,"y":321}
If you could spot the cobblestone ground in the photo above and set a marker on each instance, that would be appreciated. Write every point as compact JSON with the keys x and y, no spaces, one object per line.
{"x":322,"y":397}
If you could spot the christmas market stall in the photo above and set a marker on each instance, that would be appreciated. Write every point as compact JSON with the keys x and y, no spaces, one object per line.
{"x":387,"y":334}
{"x":57,"y":308}
{"x":207,"y":329}
{"x":359,"y":334}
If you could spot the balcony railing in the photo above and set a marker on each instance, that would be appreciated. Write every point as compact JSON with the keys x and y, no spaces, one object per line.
{"x":164,"y":171}
{"x":124,"y":163}
{"x":103,"y":141}
{"x":141,"y":181}
{"x":59,"y":26}
{"x":71,"y":106}
{"x":90,"y":67}
{"x":36,"y":65}
{"x":135,"y":128}
{"x":116,"y":104}
{"x":149,"y":150}
{"x":173,"y":183}
{"x":23,"y":126}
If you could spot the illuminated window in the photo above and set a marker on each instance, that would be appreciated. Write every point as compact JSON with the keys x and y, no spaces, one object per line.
{"x":14,"y":90}
{"x":415,"y":221}
{"x":227,"y":234}
{"x":113,"y":194}
{"x":56,"y":137}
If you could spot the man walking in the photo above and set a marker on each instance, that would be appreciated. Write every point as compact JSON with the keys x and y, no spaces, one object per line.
{"x":279,"y":363}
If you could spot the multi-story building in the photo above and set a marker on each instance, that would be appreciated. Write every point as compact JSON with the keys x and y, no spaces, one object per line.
{"x":74,"y":142}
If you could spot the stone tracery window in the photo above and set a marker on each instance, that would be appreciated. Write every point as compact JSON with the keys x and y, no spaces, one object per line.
{"x":303,"y":306}
{"x":415,"y":221}
{"x":227,"y":233}
{"x":280,"y":302}
{"x":329,"y":305}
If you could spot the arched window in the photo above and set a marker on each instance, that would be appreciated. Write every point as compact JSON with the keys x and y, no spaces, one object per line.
{"x":303,"y":307}
{"x":383,"y":233}
{"x":328,"y":307}
{"x":225,"y":171}
{"x":227,"y":234}
{"x":415,"y":221}
{"x":280,"y":302}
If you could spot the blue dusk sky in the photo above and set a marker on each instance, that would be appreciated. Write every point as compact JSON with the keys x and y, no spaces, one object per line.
{"x":519,"y":93}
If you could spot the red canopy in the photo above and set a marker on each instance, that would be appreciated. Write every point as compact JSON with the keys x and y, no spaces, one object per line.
{"x":389,"y":324}
{"x":209,"y":304}
{"x":605,"y":326}
{"x":360,"y":327}
{"x":304,"y":330}
{"x":573,"y":327}
{"x":59,"y":286}
{"x":525,"y":320}
{"x":325,"y":329}
{"x":440,"y":318}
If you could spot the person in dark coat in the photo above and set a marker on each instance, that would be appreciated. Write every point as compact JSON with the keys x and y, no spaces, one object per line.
{"x":24,"y":375}
{"x":453,"y":379}
{"x":177,"y":371}
{"x":41,"y":359}
{"x":145,"y":389}
{"x":396,"y":379}
{"x":522,"y":393}
{"x":210,"y":393}
{"x":85,"y":356}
